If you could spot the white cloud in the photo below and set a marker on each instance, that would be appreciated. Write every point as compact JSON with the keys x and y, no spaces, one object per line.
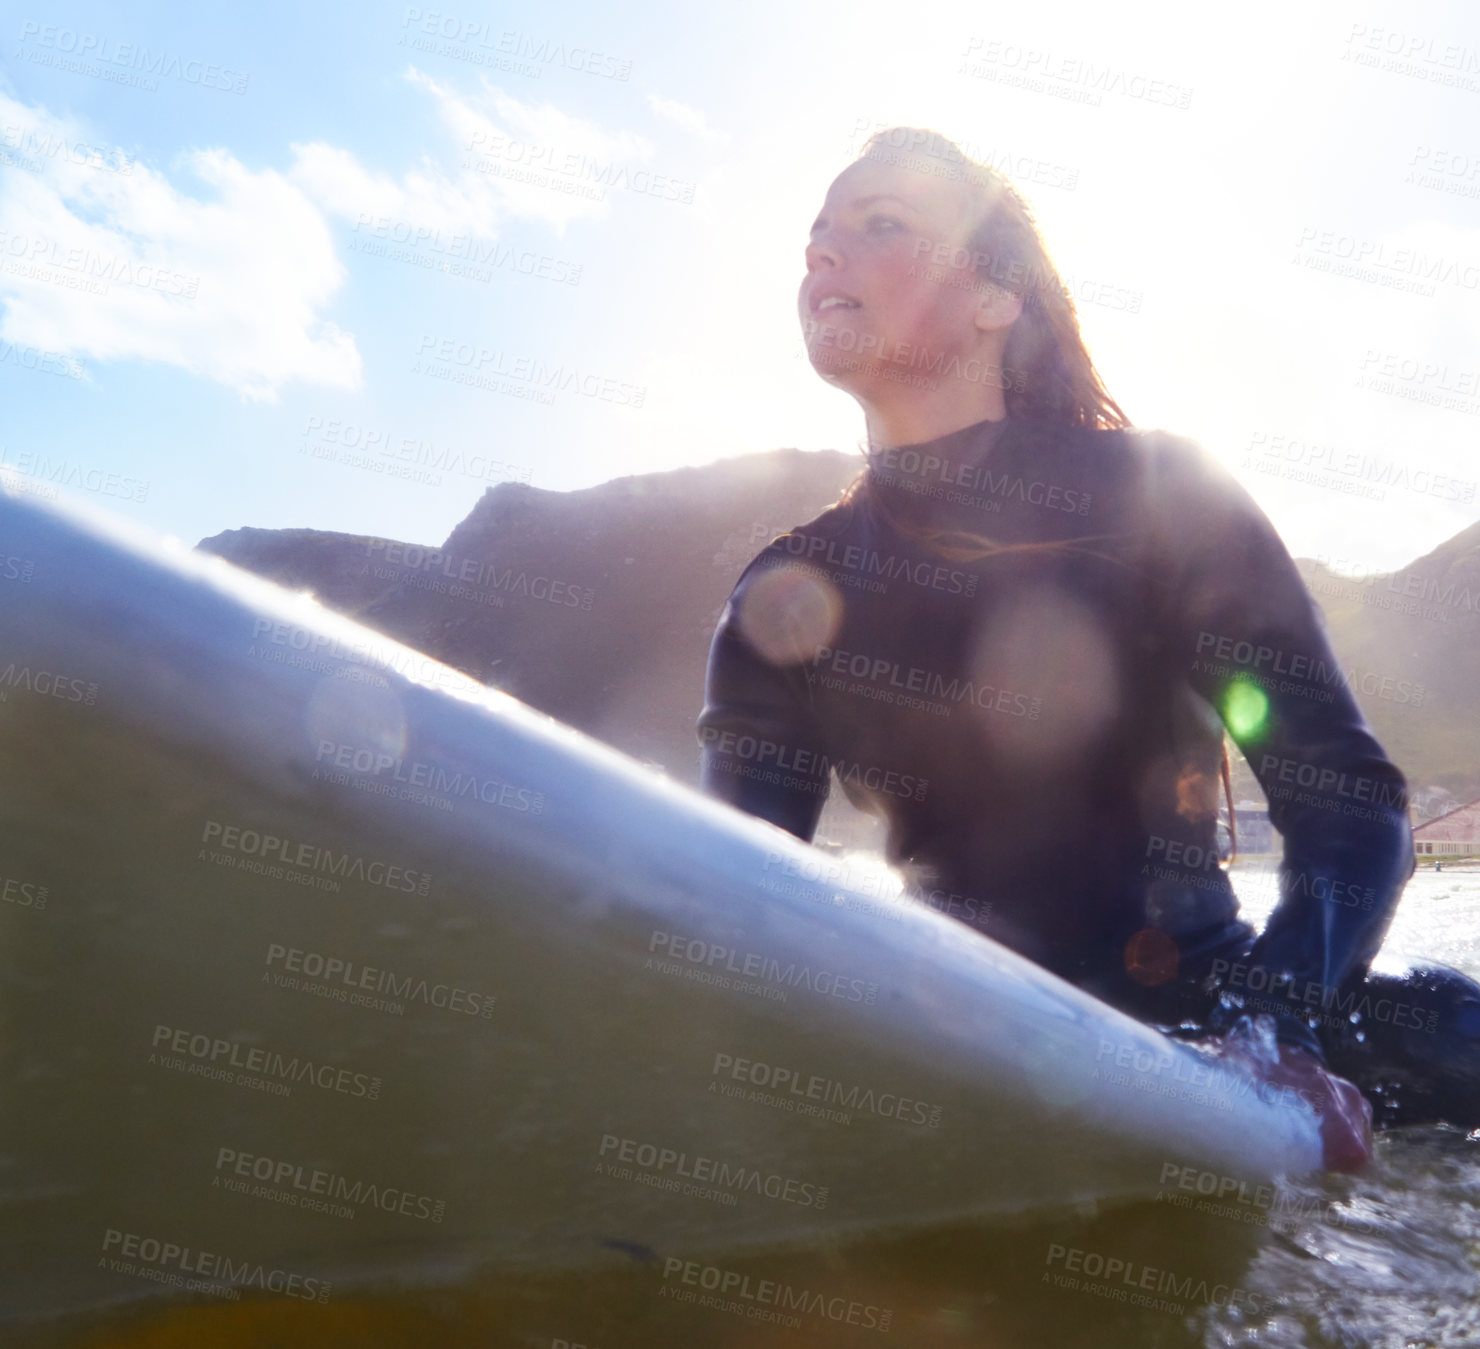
{"x":105,"y":257}
{"x":513,"y":159}
{"x":690,"y":119}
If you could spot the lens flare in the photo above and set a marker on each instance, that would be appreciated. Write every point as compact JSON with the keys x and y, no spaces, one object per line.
{"x":789,"y":614}
{"x":1245,"y":709}
{"x":1047,"y":681}
{"x":1151,"y":957}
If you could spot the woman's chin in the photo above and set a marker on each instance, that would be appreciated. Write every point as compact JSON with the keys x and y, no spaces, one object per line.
{"x":838,"y":368}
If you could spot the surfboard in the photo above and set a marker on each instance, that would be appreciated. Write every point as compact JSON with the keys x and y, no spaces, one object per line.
{"x":322,"y":959}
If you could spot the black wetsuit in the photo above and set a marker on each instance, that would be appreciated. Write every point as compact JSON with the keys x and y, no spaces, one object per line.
{"x":1035,"y":703}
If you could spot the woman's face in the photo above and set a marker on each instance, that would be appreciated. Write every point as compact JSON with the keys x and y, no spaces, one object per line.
{"x":872,"y":299}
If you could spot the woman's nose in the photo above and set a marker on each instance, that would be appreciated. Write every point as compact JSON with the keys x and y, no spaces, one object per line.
{"x":822,"y":248}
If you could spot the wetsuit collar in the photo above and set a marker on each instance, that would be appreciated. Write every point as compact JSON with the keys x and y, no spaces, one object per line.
{"x":910,"y":477}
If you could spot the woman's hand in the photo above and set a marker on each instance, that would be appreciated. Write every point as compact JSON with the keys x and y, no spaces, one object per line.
{"x":1345,"y":1114}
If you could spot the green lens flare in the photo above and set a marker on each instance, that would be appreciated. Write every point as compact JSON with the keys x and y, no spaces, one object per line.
{"x":1245,"y":709}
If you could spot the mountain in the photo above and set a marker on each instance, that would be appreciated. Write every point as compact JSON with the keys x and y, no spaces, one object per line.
{"x":1410,"y":640}
{"x":597,"y":606}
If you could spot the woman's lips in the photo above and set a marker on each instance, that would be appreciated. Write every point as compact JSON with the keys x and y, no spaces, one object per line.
{"x":833,"y":303}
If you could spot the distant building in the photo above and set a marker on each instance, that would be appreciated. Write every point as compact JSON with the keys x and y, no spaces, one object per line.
{"x":1456,"y":834}
{"x":1255,"y":833}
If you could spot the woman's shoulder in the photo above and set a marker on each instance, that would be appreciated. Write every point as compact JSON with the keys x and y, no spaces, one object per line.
{"x":1128,"y":444}
{"x":795,"y":544}
{"x":1152,"y":457}
{"x":1140,"y":478}
{"x":831,"y":522}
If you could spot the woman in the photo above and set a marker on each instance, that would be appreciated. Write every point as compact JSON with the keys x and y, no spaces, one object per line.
{"x":1020,"y":635}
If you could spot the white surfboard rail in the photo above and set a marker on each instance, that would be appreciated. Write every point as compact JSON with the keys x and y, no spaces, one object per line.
{"x":298,"y":918}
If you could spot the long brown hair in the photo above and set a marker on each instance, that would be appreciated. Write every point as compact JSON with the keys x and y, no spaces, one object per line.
{"x":1050,"y":376}
{"x":1054,"y":379}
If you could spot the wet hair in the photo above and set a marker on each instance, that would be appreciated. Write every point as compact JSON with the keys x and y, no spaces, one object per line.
{"x":1048,"y":371}
{"x":1047,"y":374}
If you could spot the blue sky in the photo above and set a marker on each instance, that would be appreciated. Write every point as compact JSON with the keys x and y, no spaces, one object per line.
{"x":252,"y":258}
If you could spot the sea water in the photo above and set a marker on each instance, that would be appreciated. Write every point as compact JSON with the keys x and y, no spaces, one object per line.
{"x":1395,"y":1261}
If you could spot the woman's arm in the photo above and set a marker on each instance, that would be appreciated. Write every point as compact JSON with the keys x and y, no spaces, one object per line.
{"x":761,"y":747}
{"x":1255,"y":646}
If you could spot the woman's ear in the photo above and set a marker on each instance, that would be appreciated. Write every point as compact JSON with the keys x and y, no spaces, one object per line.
{"x":997,"y":308}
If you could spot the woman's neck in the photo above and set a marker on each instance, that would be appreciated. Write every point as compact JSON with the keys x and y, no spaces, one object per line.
{"x":905,"y":420}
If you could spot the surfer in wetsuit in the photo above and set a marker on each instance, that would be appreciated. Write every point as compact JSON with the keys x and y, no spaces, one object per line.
{"x":1019,"y":637}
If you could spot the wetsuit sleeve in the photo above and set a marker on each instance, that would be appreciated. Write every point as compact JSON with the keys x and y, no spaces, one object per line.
{"x":762,"y":749}
{"x":1255,"y":646}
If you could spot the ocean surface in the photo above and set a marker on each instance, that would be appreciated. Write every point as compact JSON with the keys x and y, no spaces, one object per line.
{"x":1395,"y":1262}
